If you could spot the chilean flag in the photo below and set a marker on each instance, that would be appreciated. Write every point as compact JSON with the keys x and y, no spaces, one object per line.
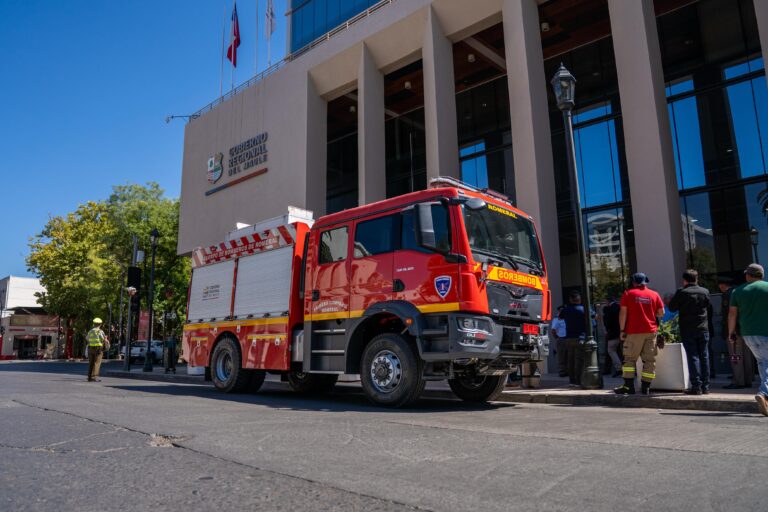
{"x":234,"y":37}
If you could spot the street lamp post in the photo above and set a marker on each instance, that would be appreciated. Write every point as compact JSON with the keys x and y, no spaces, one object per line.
{"x":753,"y":234}
{"x":131,"y":291}
{"x":153,"y":237}
{"x":564,"y":87}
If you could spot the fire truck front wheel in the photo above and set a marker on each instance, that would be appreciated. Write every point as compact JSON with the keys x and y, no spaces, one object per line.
{"x":226,"y":368}
{"x":311,"y":383}
{"x":478,"y":389}
{"x":390,"y":371}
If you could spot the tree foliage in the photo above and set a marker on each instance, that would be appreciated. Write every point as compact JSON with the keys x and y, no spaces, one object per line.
{"x":82,"y":257}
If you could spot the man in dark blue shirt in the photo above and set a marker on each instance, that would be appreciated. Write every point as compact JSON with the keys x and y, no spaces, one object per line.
{"x":575,"y":327}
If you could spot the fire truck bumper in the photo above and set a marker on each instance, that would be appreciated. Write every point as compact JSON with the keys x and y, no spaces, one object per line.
{"x":482,"y":338}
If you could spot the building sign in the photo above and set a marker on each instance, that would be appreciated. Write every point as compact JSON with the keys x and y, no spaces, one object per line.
{"x":244,"y":161}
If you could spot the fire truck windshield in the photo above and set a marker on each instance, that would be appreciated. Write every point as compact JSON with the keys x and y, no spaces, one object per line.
{"x":493,"y":230}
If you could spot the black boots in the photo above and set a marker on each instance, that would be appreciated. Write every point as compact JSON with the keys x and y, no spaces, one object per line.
{"x":646,"y":388}
{"x":628,"y":388}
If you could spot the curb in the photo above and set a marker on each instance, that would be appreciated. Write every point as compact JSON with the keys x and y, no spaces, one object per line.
{"x":519,"y":397}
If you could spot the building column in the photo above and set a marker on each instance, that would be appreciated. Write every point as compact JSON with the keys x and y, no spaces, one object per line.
{"x":761,"y":14}
{"x":371,"y":152}
{"x":531,"y":136}
{"x":439,"y":102}
{"x":316,"y":158}
{"x":648,"y":143}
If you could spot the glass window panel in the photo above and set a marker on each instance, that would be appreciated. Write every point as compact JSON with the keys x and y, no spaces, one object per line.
{"x":699,"y":235}
{"x":679,"y":87}
{"x":474,"y":171}
{"x":757,"y":212}
{"x":591,"y":112}
{"x":686,"y":141}
{"x":609,"y":237}
{"x":598,"y":162}
{"x":333,"y":245}
{"x":375,"y":236}
{"x":333,"y":13}
{"x":321,"y":21}
{"x":746,"y":129}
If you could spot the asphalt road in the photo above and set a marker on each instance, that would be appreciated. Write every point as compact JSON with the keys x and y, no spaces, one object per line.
{"x":125,"y":445}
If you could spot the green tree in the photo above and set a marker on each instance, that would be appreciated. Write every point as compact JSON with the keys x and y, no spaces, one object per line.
{"x":82,"y":257}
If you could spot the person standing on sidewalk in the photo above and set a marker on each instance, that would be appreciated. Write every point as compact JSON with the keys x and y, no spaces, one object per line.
{"x":749,"y":307}
{"x":613,"y":333}
{"x":639,"y":318}
{"x":741,"y":358}
{"x":97,"y":341}
{"x":575,"y":327}
{"x":557,"y":328}
{"x":695,"y":308}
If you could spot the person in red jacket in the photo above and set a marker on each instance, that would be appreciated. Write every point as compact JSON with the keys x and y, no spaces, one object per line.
{"x":639,"y":318}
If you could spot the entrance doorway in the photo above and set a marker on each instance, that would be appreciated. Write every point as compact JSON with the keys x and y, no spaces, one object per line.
{"x":26,"y":346}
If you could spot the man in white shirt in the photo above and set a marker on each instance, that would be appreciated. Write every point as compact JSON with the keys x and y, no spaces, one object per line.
{"x":557,"y":329}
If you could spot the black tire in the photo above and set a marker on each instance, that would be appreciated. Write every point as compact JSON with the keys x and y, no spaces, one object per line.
{"x":390,"y":371}
{"x":311,"y":383}
{"x":226,"y":367}
{"x":478,"y":389}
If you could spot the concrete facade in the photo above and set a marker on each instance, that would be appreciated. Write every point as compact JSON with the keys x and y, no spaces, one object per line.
{"x":291,"y":107}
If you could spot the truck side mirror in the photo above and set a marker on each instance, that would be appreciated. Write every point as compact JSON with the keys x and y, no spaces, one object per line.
{"x":425,"y":227}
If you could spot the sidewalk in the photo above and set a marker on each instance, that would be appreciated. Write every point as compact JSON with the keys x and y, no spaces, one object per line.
{"x":554,"y":390}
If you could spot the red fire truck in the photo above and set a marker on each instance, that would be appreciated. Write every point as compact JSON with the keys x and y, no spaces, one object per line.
{"x":445,"y":283}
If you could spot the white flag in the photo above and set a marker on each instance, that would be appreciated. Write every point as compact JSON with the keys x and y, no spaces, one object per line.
{"x":269,"y":28}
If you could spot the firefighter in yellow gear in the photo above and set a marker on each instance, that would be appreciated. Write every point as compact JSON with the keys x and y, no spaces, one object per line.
{"x":97,"y":342}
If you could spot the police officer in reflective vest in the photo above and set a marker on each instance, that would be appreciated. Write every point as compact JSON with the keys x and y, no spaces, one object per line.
{"x":97,"y":343}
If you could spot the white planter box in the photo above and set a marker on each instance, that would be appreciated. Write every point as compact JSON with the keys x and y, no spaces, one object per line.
{"x":671,"y":369}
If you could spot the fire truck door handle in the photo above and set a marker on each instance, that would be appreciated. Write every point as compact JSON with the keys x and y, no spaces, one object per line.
{"x":398,"y":285}
{"x":315,"y":294}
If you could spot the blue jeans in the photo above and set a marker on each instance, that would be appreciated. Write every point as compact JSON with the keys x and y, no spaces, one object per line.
{"x":697,"y":352}
{"x":759,"y":346}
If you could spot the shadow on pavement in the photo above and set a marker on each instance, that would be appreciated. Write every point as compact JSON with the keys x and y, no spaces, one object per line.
{"x":341,"y":401}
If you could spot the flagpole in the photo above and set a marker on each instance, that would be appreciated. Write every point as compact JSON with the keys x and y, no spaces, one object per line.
{"x":270,"y":16}
{"x":223,"y":48}
{"x":232,"y":45}
{"x":256,"y":42}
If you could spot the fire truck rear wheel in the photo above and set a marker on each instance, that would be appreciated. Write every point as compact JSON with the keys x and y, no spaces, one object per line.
{"x":226,"y":370}
{"x":311,"y":383}
{"x":478,"y":389}
{"x":390,"y":371}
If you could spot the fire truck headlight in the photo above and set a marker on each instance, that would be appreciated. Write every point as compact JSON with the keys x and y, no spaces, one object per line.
{"x":472,"y":324}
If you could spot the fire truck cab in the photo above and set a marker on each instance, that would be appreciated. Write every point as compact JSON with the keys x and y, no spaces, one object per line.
{"x":447,"y":283}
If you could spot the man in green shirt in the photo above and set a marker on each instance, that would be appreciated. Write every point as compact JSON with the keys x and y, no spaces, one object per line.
{"x":749,"y":307}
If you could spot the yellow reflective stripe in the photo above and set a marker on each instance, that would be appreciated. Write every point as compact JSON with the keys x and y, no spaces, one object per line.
{"x":628,"y":369}
{"x":235,"y":323}
{"x":439,"y":308}
{"x":265,"y":336}
{"x":648,"y":375}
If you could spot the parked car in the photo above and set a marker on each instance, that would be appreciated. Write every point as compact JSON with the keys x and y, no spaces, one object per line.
{"x":138,"y":349}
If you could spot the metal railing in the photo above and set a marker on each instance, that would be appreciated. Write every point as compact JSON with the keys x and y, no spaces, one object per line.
{"x":291,"y":57}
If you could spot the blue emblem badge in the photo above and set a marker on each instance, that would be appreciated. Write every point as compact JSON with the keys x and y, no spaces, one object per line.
{"x":443,"y":285}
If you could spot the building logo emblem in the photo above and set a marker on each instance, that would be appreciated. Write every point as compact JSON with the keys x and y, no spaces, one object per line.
{"x":215,"y":167}
{"x":443,"y":285}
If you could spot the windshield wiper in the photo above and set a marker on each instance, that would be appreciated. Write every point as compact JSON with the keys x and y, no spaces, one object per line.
{"x":500,"y":256}
{"x":528,"y":262}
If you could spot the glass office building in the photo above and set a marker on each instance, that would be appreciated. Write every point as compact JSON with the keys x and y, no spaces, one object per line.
{"x":311,"y":19}
{"x":671,"y":163}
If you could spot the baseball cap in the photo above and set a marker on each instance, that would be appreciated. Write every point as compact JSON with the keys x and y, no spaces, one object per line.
{"x":724,"y":280}
{"x":640,"y":278}
{"x":754,"y":270}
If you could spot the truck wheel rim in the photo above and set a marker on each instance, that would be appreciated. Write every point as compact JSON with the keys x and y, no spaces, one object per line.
{"x":386,"y":371}
{"x":224,"y":366}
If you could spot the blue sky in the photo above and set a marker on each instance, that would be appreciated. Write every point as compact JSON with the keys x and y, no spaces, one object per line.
{"x":85,"y":90}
